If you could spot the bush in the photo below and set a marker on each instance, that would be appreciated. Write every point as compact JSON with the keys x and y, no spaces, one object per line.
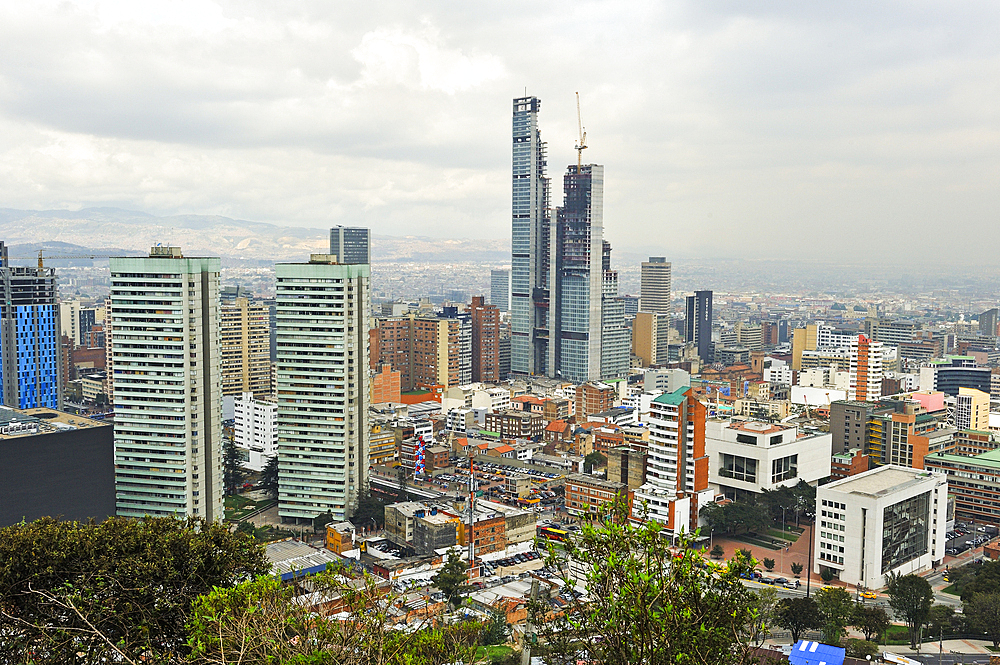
{"x":717,"y":552}
{"x":769,"y":564}
{"x":860,"y":648}
{"x":827,"y":575}
{"x":796,"y":569}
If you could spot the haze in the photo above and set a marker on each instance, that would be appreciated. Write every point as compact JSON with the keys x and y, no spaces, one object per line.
{"x":838,"y":131}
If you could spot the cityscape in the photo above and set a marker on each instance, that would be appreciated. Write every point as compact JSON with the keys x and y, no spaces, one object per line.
{"x":392,"y":434}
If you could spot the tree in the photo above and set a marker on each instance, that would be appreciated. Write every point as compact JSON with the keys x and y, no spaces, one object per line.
{"x":986,"y":580}
{"x":871,"y":620}
{"x":269,"y":477}
{"x":320,"y":521}
{"x":910,"y":597}
{"x":594,"y":459}
{"x":246,"y":528}
{"x":983,"y":612}
{"x":766,"y":604}
{"x":941,"y":619}
{"x":837,"y":608}
{"x":648,"y":602}
{"x":495,"y":630}
{"x":451,"y":579}
{"x":827,"y":574}
{"x":368,"y":511}
{"x":745,"y":553}
{"x":769,"y":564}
{"x":115,"y":591}
{"x":860,"y":648}
{"x":717,"y":552}
{"x":233,"y":472}
{"x":798,"y":615}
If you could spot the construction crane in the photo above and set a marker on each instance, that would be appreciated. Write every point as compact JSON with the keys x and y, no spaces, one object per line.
{"x":41,"y":257}
{"x":582,"y":145}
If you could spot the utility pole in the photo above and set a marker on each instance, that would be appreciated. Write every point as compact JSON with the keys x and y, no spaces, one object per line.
{"x":529,"y":629}
{"x":809,"y":569}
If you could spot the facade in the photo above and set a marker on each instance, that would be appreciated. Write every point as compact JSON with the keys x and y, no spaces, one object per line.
{"x":351,"y":244}
{"x":424,"y":350}
{"x":865,"y":370}
{"x":974,"y":481}
{"x":322,"y":385}
{"x":515,"y":424}
{"x":500,"y":289}
{"x":485,"y":341}
{"x":888,"y":520}
{"x":849,"y":424}
{"x":698,"y":323}
{"x":255,"y":429}
{"x":655,"y":286}
{"x":386,"y":386}
{"x":381,"y":445}
{"x":957,"y":372}
{"x":586,"y":494}
{"x":246,"y":348}
{"x":677,"y":467}
{"x":751,"y":457}
{"x":167,"y":385}
{"x":988,"y":322}
{"x":627,"y":465}
{"x":30,"y":332}
{"x":55,"y":464}
{"x":593,"y":397}
{"x":972,"y":409}
{"x":651,"y":338}
{"x":529,"y":273}
{"x":850,"y":463}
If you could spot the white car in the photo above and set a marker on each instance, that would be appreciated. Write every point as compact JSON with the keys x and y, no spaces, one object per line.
{"x":793,"y":584}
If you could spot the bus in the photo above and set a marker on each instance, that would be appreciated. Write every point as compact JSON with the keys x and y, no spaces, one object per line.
{"x":551,"y":533}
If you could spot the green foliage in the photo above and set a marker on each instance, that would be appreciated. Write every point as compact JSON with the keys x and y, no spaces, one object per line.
{"x":451,"y":579}
{"x":798,"y":615}
{"x":320,"y":521}
{"x":871,"y":620}
{"x":745,"y":515}
{"x":257,"y":623}
{"x":837,"y":608}
{"x":233,"y":472}
{"x":766,"y":604}
{"x":246,"y":528}
{"x":594,"y":459}
{"x":718,"y":552}
{"x":768,"y":564}
{"x":986,"y":579}
{"x":983,"y":612}
{"x":495,"y":630}
{"x":797,"y":500}
{"x":942,"y":619}
{"x":910,"y":597}
{"x":367,"y":509}
{"x":860,"y":648}
{"x":269,"y":477}
{"x":827,"y":574}
{"x":648,"y":603}
{"x":115,"y":590}
{"x":796,"y":568}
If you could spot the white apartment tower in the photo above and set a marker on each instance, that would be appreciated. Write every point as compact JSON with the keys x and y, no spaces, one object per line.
{"x":256,"y":429}
{"x":322,"y":386}
{"x":167,"y":387}
{"x":865,"y":370}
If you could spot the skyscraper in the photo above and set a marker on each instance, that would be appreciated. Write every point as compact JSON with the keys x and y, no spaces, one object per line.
{"x":322,"y":380}
{"x":500,"y":289}
{"x":30,"y":331}
{"x":698,"y":323}
{"x":865,"y":370}
{"x":485,"y":341}
{"x":167,"y":385}
{"x":655,"y":286}
{"x":351,"y":244}
{"x":988,"y":321}
{"x":245,"y":352}
{"x":529,"y":283}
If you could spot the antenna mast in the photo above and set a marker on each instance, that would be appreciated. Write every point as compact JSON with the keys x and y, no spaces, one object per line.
{"x":582,"y":144}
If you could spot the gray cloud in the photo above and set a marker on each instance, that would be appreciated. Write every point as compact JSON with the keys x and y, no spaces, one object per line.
{"x":776,"y":128}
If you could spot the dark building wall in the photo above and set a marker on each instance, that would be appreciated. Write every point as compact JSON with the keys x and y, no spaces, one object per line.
{"x":69,"y":474}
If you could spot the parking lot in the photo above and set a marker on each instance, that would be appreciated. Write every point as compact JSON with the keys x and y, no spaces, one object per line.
{"x":966,"y":536}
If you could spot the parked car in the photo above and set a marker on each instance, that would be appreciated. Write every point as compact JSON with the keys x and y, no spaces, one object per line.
{"x":781,"y":580}
{"x":766,"y":580}
{"x":869,"y":595}
{"x":793,"y":584}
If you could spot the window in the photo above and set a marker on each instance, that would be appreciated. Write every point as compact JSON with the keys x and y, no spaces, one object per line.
{"x":904,"y":531}
{"x":738,"y":468}
{"x":746,"y":438}
{"x":784,"y":468}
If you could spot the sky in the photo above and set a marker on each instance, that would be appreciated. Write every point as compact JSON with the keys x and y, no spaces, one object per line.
{"x":813,"y":130}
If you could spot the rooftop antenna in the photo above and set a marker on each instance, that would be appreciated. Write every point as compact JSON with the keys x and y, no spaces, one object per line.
{"x":582,"y":145}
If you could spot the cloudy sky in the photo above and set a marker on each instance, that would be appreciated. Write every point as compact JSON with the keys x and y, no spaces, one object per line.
{"x":826,"y":130}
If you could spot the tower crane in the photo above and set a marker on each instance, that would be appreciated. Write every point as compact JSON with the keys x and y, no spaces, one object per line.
{"x":42,"y":256}
{"x":582,"y":144}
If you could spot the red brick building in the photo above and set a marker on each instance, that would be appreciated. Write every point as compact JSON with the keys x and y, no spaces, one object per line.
{"x":485,"y":341}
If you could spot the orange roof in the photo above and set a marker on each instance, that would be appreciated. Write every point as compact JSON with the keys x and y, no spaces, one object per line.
{"x":503,"y":449}
{"x":556,"y":426}
{"x":483,"y":446}
{"x":531,"y":399}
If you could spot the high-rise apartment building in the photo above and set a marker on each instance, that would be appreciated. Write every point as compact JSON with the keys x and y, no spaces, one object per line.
{"x":167,"y":384}
{"x":255,"y":429}
{"x":322,"y":386}
{"x":500,"y":289}
{"x":865,"y":370}
{"x":485,"y":341}
{"x":69,"y":320}
{"x":351,"y":244}
{"x":698,"y":323}
{"x":30,"y":336}
{"x":677,"y":467}
{"x":651,"y":338}
{"x":655,"y":286}
{"x":529,"y":273}
{"x":245,"y":352}
{"x":464,"y":342}
{"x":988,"y":322}
{"x":425,"y":350}
{"x":972,"y":410}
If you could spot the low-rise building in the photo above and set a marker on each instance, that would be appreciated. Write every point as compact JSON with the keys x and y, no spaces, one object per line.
{"x":518,"y":485}
{"x":586,"y":494}
{"x":888,"y":520}
{"x":382,"y":445}
{"x":974,"y":481}
{"x":628,"y":466}
{"x":850,"y":463}
{"x":516,"y":424}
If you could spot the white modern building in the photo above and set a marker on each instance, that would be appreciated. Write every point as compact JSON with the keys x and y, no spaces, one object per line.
{"x":891,"y":519}
{"x":866,"y":370}
{"x":256,"y":429}
{"x":750,"y":456}
{"x":167,"y":385}
{"x":322,"y":385}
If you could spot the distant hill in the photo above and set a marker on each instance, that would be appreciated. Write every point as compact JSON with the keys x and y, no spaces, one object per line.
{"x":116,"y":231}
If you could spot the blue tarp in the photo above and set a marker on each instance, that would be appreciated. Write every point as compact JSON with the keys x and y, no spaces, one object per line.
{"x":815,"y":653}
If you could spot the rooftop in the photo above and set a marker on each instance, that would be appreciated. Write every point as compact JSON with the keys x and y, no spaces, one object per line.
{"x":42,"y":420}
{"x":880,"y":482}
{"x":755,"y":427}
